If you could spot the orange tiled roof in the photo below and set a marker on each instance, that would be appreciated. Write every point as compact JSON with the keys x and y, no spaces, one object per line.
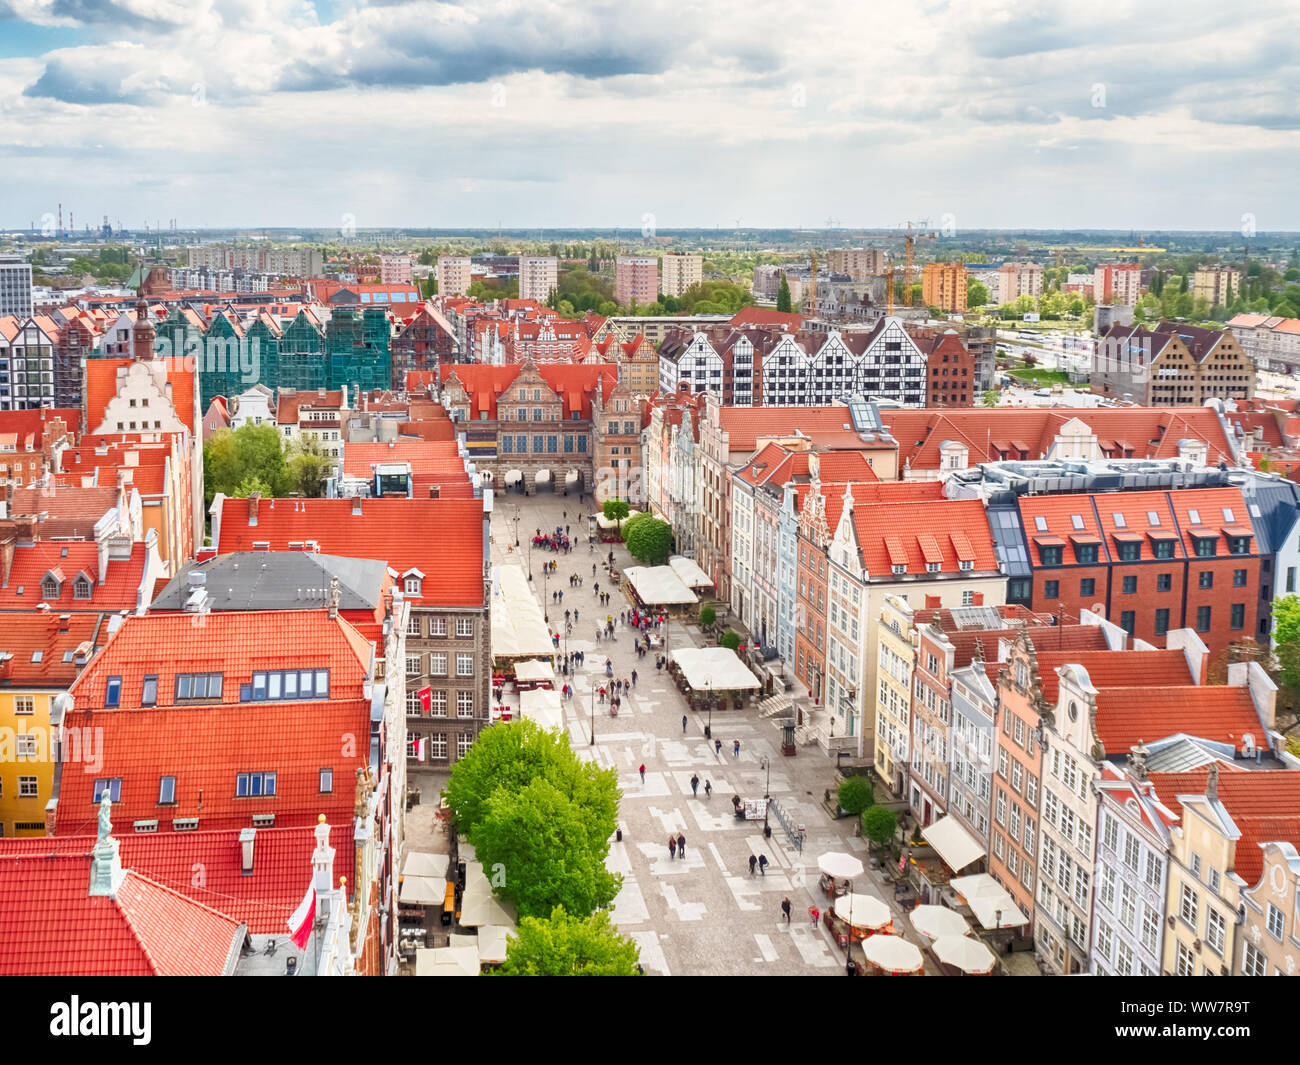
{"x":1110,"y":669}
{"x":25,"y":635}
{"x":1126,"y":716}
{"x":745,"y":425}
{"x":916,"y":534}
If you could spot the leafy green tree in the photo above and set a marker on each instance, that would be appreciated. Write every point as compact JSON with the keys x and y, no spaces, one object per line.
{"x":991,"y":398}
{"x":308,"y":468}
{"x":615,"y":509}
{"x":512,"y":754}
{"x":855,"y":795}
{"x":634,"y":521}
{"x":252,"y":451}
{"x":250,"y":484}
{"x":730,"y":640}
{"x":650,"y":541}
{"x":977,"y":294}
{"x":550,"y":847}
{"x":879,"y":824}
{"x":707,"y":616}
{"x":564,"y":945}
{"x":1286,"y":638}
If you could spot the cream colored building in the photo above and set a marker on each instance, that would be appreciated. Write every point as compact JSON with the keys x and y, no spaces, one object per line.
{"x":897,"y":642}
{"x":1019,"y":279}
{"x":680,"y":272}
{"x":1217,"y":285}
{"x":858,"y":263}
{"x":1269,"y":944}
{"x":539,"y":276}
{"x":453,"y":275}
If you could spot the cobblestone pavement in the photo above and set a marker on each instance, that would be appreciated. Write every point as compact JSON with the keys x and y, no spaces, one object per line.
{"x":703,"y":914}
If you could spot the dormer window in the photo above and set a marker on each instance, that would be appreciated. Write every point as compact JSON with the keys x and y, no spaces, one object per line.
{"x":50,"y":588}
{"x":899,"y":570}
{"x":81,"y":588}
{"x":932,"y":567}
{"x":412,"y":586}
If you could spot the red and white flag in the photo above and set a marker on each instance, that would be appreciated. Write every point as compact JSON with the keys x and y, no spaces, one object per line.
{"x":422,"y":749}
{"x":426,"y":698}
{"x":302,"y":919}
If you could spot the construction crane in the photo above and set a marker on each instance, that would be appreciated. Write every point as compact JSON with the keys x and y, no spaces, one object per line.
{"x":910,"y":237}
{"x":812,"y":282}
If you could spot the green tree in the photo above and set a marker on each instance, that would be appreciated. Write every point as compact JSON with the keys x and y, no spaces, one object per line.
{"x":550,"y":848}
{"x":879,"y":824}
{"x":783,"y":303}
{"x":565,"y":945}
{"x":730,"y":640}
{"x":991,"y":398}
{"x":511,"y":755}
{"x":707,"y":616}
{"x":634,"y":521}
{"x":650,"y":541}
{"x":855,"y":795}
{"x":308,"y":467}
{"x":977,"y":294}
{"x":250,"y":484}
{"x":615,"y":509}
{"x":230,"y":459}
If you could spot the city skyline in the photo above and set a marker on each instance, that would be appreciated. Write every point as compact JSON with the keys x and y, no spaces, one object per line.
{"x":993,"y":115}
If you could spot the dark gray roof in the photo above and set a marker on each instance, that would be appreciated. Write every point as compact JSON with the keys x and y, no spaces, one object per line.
{"x":1273,"y":503}
{"x":278,"y":580}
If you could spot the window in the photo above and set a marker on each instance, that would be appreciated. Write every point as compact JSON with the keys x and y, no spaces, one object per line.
{"x":1103,"y":940}
{"x":413,"y":625}
{"x":1163,"y":548}
{"x":26,"y":747}
{"x":1205,"y":579}
{"x":1132,"y":851}
{"x":27,"y":788}
{"x":1239,"y":579}
{"x":1031,"y":789}
{"x":1128,"y":621}
{"x":1238,"y":545}
{"x":1002,"y":762}
{"x":1086,"y":554}
{"x":1214,"y":880}
{"x":1164,"y":582}
{"x":1130,"y":551}
{"x":81,"y":588}
{"x":463,"y":744}
{"x":198,"y":686}
{"x":1051,"y":556}
{"x":438,"y":704}
{"x":1162,"y":621}
{"x":464,"y":665}
{"x":413,"y":665}
{"x":1109,"y":832}
{"x":1000,"y":814}
{"x":1237,"y":616}
{"x":464,"y":704}
{"x":1153,"y":871}
{"x":1202,"y":619}
{"x":326,"y":781}
{"x":413,"y":704}
{"x":1150,"y":928}
{"x":113,"y":692}
{"x":437,"y":665}
{"x":1127,"y":906}
{"x":1276,"y":922}
{"x":437,"y":626}
{"x":1253,"y":963}
{"x":1088,"y":587}
{"x":1129,"y":586}
{"x":112,"y":784}
{"x":1185,"y":964}
{"x":24,"y":704}
{"x":1017,"y":774}
{"x":252,"y":785}
{"x":1205,"y":546}
{"x":1107,"y":894}
{"x":464,"y":627}
{"x":1051,"y":589}
{"x":1215,"y":930}
{"x":166,"y":791}
{"x":1188,"y":905}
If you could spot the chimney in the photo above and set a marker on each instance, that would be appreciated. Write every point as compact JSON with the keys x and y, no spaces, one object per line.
{"x":253,"y":499}
{"x":334,"y":597}
{"x":64,"y":620}
{"x":356,"y":506}
{"x":6,"y":561}
{"x":247,"y":836}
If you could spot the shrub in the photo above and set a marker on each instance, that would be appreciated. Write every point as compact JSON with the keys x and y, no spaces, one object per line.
{"x":730,"y":640}
{"x":708,"y":616}
{"x":879,"y":824}
{"x":855,"y":795}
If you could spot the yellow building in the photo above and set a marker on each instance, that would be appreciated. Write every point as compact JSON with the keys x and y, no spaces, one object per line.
{"x":943,"y":285}
{"x":41,"y":654}
{"x":893,"y":697}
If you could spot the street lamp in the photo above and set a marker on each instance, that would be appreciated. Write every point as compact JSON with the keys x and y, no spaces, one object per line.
{"x":516,"y":525}
{"x":766,"y":764}
{"x":593,"y":715}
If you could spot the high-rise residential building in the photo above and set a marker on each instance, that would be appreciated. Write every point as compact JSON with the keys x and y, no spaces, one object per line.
{"x":1019,"y":279}
{"x":1117,"y":283}
{"x":291,"y":262}
{"x":395,"y":269}
{"x":453,"y":275}
{"x":1217,"y":285}
{"x":539,"y":276}
{"x":681,"y":272}
{"x":858,"y":263}
{"x":944,"y":285}
{"x":636,"y":280}
{"x":15,"y":286}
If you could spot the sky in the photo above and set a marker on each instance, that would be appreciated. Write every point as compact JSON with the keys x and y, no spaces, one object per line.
{"x":648,"y":114}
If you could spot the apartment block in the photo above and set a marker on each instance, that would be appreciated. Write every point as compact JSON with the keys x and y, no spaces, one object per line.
{"x":1117,"y":283}
{"x":636,"y":280}
{"x":1217,"y":285}
{"x":395,"y":269}
{"x":1019,"y":279}
{"x":290,"y":262}
{"x":857,"y":263}
{"x":681,"y":272}
{"x":943,"y":285}
{"x":15,"y":286}
{"x":453,"y":275}
{"x":539,"y":276}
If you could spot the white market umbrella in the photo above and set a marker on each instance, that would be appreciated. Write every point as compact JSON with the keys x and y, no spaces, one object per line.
{"x":839,"y":865}
{"x":935,"y":921}
{"x":862,"y":911}
{"x":893,"y":954}
{"x":967,"y":954}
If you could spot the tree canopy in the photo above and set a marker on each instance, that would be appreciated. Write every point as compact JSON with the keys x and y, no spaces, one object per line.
{"x":855,"y":795}
{"x":615,"y":509}
{"x":250,"y":458}
{"x":879,"y":824}
{"x":650,"y":541}
{"x":730,"y":640}
{"x":565,"y":945}
{"x":783,"y":296}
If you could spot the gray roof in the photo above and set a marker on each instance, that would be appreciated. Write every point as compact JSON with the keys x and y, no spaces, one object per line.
{"x":278,"y":580}
{"x":1181,"y":755}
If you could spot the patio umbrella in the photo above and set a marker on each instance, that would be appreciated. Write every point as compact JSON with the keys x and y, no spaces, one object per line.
{"x":862,"y":911}
{"x":967,"y":954}
{"x":893,"y":954}
{"x":935,"y":921}
{"x":839,"y":865}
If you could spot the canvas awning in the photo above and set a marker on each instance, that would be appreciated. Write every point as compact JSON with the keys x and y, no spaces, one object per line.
{"x":534,"y":670}
{"x":952,"y":843}
{"x":423,"y":890}
{"x":716,"y":669}
{"x":447,"y":961}
{"x":989,"y":901}
{"x":479,"y":906}
{"x":689,"y":572}
{"x":421,"y":863}
{"x":518,"y":628}
{"x":862,"y":911}
{"x":967,"y":954}
{"x":659,"y":586}
{"x":492,"y":943}
{"x":935,"y":921}
{"x":893,"y":954}
{"x":543,"y":706}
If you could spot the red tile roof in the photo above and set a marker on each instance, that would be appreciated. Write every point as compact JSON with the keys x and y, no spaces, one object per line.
{"x":1218,"y":713}
{"x":747,"y":317}
{"x":745,"y":425}
{"x":923,"y":532}
{"x":52,"y":926}
{"x":101,"y":387}
{"x":400,"y":532}
{"x":1110,"y":669}
{"x":436,"y":461}
{"x":118,"y":588}
{"x":31,"y":423}
{"x":1073,"y":638}
{"x":24,"y":635}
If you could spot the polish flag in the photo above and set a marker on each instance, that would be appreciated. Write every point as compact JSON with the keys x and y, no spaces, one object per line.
{"x":426,"y":698}
{"x":301,"y":921}
{"x":422,"y":749}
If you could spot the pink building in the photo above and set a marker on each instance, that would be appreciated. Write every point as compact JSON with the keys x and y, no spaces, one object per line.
{"x":636,"y":280}
{"x":395,"y":269}
{"x":1117,"y":283}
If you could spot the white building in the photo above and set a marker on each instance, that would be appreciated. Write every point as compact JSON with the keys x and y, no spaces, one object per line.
{"x":453,"y":275}
{"x":15,"y":286}
{"x":680,"y":272}
{"x":539,"y":276}
{"x":395,"y":269}
{"x":885,"y":363}
{"x":253,"y":407}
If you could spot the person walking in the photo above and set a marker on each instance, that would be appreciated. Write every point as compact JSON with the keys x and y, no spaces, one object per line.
{"x":683,"y":724}
{"x":717,"y":746}
{"x":708,"y":789}
{"x":753,"y":863}
{"x":643,"y":772}
{"x":785,"y":908}
{"x":634,"y":678}
{"x":593,"y":573}
{"x":816,"y":915}
{"x":735,"y":750}
{"x":695,"y":785}
{"x":762,"y":864}
{"x":681,"y":845}
{"x":672,"y":845}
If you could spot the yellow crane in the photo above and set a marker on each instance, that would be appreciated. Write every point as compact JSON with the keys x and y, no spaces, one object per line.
{"x":910,"y":237}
